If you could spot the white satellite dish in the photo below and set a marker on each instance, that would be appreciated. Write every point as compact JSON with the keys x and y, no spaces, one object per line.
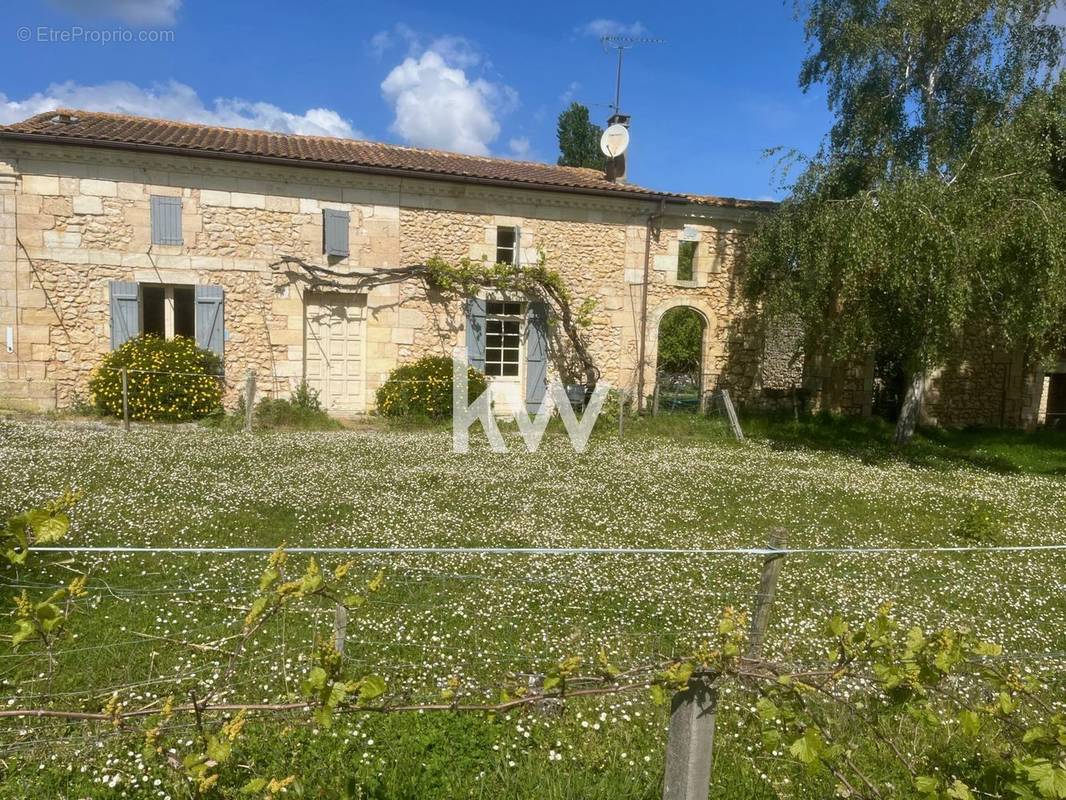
{"x":614,"y":141}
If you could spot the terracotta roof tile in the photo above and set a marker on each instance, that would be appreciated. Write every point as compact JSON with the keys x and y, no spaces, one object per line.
{"x":118,"y":130}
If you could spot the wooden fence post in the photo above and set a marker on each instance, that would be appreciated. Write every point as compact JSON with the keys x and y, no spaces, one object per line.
{"x":125,"y":400}
{"x":340,"y":627}
{"x":249,"y":400}
{"x":655,"y":398}
{"x":764,"y":598}
{"x":690,"y":741}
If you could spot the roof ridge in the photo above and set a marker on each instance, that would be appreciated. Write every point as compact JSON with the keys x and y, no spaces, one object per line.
{"x":109,"y":129}
{"x":77,"y":112}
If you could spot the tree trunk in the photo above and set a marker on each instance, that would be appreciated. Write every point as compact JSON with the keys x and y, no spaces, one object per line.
{"x":911,"y":411}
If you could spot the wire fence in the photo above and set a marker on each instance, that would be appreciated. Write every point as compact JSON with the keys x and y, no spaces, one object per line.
{"x":470,"y":618}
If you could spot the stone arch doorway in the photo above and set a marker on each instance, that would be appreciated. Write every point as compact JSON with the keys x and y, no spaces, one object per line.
{"x":680,"y":346}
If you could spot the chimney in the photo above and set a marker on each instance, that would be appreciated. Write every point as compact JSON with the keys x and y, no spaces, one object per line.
{"x":616,"y":167}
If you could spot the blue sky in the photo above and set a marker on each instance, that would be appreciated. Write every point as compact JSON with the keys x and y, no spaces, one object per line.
{"x":475,"y":76}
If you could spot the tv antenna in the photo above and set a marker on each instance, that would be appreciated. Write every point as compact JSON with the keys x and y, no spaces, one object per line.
{"x":621,"y":44}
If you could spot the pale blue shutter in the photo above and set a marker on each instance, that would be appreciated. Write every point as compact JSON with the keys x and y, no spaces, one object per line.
{"x":335,"y":232}
{"x":125,"y":312}
{"x":536,"y":355}
{"x":475,"y":333}
{"x":209,"y":318}
{"x":516,"y":260}
{"x":166,"y":220}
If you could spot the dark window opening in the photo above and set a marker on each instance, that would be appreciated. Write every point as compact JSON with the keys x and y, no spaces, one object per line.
{"x":153,"y":309}
{"x":184,"y":311}
{"x":686,"y":260}
{"x":506,"y":245}
{"x":168,"y":311}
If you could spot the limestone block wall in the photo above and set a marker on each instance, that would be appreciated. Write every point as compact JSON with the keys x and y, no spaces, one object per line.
{"x":74,"y":219}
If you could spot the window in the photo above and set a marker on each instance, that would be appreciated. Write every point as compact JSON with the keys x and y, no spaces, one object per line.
{"x":503,"y":339}
{"x":508,"y":242}
{"x":335,"y":232}
{"x":686,"y":261}
{"x":166,"y":219}
{"x":168,"y":311}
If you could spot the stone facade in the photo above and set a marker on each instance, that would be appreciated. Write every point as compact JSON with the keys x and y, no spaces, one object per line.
{"x":74,"y":219}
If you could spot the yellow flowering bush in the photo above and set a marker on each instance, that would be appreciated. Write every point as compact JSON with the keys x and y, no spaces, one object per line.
{"x":171,"y":380}
{"x":423,"y":388}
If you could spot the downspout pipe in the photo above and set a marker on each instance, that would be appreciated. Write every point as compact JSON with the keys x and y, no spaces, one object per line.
{"x":652,"y":227}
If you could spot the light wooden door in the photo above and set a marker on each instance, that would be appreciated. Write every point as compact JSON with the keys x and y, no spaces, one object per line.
{"x":334,"y":349}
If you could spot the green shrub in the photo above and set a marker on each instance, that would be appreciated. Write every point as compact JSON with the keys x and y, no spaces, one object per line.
{"x":306,"y":398}
{"x":168,"y":379}
{"x":423,"y":388}
{"x":302,"y":412}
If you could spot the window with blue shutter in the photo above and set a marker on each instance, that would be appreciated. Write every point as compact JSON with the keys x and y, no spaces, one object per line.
{"x":475,"y":333}
{"x":536,"y":355}
{"x":209,"y":318}
{"x":125,"y":312}
{"x":335,"y":232}
{"x":166,"y":220}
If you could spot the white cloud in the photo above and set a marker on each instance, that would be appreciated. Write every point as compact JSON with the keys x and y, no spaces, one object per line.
{"x":437,"y":105}
{"x":135,"y":12}
{"x":383,"y":41}
{"x":567,"y":97}
{"x":611,"y":27}
{"x":519,"y":147}
{"x":457,"y":51}
{"x":177,"y":101}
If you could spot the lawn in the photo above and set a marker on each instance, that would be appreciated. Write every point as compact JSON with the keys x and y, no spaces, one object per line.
{"x":474,"y":620}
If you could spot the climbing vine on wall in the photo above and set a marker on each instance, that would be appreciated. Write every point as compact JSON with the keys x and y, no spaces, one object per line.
{"x":464,"y":279}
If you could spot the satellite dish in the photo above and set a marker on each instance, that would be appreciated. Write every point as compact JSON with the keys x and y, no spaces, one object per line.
{"x":614,"y":141}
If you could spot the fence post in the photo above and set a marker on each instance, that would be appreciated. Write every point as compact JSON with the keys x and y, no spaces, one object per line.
{"x":125,"y":400}
{"x":731,"y":414}
{"x":690,"y":741}
{"x":764,"y":598}
{"x":703,"y":402}
{"x":249,"y":399}
{"x":340,"y":627}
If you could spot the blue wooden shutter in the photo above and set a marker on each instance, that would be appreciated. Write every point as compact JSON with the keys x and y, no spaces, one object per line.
{"x":475,"y":333}
{"x":209,"y":318}
{"x":335,"y":232}
{"x":125,"y":312}
{"x":166,"y":220}
{"x":536,"y":355}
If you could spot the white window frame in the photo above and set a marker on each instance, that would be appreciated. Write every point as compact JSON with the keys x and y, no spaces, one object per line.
{"x":520,"y":318}
{"x":515,"y":249}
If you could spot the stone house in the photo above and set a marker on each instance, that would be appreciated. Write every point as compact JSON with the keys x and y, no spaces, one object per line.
{"x":114,"y":225}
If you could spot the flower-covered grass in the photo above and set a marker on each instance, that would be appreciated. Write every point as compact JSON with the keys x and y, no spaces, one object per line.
{"x":475,"y":619}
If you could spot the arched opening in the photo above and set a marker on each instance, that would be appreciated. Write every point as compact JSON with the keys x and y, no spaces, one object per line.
{"x":679,"y":368}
